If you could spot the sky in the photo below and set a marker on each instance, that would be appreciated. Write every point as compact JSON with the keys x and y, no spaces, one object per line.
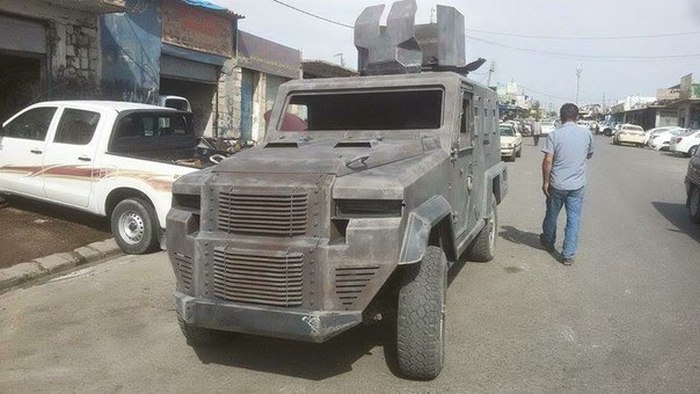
{"x":541,"y":69}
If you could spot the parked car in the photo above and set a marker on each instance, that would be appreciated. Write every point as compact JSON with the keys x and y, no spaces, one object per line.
{"x":548,"y":126}
{"x":692,"y":187}
{"x":610,"y":128}
{"x":651,"y":133}
{"x":686,"y":144}
{"x":511,"y":142}
{"x":630,"y":134}
{"x":662,"y":141}
{"x":108,"y":158}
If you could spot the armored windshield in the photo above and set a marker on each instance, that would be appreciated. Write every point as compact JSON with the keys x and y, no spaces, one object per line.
{"x":385,"y":110}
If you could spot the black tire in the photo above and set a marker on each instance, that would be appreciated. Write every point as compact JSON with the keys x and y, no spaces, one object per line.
{"x":694,"y":204}
{"x":420,"y":325}
{"x":483,"y":247}
{"x":198,"y":336}
{"x":520,"y":152}
{"x":692,"y":151}
{"x":135,"y":226}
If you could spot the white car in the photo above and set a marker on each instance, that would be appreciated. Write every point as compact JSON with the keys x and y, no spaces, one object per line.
{"x":651,"y":133}
{"x":511,"y":142}
{"x":662,"y":141}
{"x":630,"y":134}
{"x":548,"y":126}
{"x":687,"y":143}
{"x":111,"y":159}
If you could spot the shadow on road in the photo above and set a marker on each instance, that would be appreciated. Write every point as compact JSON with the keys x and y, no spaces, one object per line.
{"x":519,"y":237}
{"x":60,"y":213}
{"x":677,"y":215}
{"x":305,"y":360}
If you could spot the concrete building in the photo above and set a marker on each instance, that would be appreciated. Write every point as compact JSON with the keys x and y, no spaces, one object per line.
{"x":313,"y":69}
{"x":50,"y":50}
{"x":262,"y":66}
{"x":688,"y":103}
{"x":174,"y":47}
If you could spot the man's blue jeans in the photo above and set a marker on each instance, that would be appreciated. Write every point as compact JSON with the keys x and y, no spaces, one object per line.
{"x":573,"y":200}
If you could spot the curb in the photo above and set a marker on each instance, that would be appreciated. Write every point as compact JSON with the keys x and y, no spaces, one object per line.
{"x":42,"y":267}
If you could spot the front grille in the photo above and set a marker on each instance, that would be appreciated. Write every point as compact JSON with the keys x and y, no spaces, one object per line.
{"x":351,"y":280}
{"x":184,"y":269}
{"x":270,"y":215}
{"x":259,"y":278}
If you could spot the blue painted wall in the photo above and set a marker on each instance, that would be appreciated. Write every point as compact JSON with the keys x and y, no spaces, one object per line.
{"x":131,"y":49}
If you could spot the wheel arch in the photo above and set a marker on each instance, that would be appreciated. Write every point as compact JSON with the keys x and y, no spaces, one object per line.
{"x":120,"y":194}
{"x":430,"y":224}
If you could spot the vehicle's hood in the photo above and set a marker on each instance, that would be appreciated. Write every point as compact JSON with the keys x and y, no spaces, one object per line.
{"x":336,"y":157}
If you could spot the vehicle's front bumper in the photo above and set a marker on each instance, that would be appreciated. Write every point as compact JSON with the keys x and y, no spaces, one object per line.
{"x":507,"y":152}
{"x":311,"y":326}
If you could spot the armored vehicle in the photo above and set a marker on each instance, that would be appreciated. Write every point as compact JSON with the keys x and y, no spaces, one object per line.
{"x":365,"y":191}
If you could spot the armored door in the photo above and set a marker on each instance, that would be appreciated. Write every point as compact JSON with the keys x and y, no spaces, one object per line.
{"x":465,"y":154}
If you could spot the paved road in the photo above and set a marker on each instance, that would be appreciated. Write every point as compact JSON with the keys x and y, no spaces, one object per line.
{"x":624,"y":318}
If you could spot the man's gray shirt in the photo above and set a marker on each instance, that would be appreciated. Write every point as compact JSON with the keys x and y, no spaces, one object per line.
{"x":571,"y":145}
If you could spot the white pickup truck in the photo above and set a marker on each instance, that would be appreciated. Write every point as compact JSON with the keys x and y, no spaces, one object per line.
{"x":112,"y":159}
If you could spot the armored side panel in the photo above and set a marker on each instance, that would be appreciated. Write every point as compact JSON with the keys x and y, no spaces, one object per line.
{"x":390,"y":49}
{"x":443,"y":43}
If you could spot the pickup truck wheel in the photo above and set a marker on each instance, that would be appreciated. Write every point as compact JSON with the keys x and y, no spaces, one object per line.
{"x":135,"y":226}
{"x":483,"y":247}
{"x":198,"y":336}
{"x":694,"y":204}
{"x":420,"y":326}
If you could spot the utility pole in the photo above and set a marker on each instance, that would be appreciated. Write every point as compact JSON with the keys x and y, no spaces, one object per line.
{"x":492,"y":69}
{"x":579,"y":70}
{"x":604,"y":102}
{"x":342,"y":58}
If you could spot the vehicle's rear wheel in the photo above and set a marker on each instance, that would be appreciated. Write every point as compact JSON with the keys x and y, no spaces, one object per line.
{"x":420,"y":326}
{"x":692,"y":151}
{"x":135,"y":226}
{"x":483,"y":247}
{"x":198,"y":336}
{"x":694,"y":204}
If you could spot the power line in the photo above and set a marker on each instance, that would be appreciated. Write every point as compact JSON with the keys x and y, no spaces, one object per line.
{"x":583,"y":38}
{"x":565,"y":55}
{"x":323,"y":18}
{"x":577,"y":56}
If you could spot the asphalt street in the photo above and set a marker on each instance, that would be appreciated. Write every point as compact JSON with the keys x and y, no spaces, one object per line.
{"x":624,"y":318}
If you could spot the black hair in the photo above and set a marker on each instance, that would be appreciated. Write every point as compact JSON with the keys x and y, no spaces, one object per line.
{"x":568,"y":112}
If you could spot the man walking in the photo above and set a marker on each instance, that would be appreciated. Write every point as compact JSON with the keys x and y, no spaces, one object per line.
{"x":564,"y":179}
{"x":536,"y":131}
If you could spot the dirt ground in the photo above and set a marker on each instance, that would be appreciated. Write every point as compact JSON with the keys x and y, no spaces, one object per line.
{"x":32,"y":229}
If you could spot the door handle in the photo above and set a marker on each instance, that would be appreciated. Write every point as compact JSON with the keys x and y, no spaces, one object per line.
{"x":36,"y":151}
{"x":84,"y":158}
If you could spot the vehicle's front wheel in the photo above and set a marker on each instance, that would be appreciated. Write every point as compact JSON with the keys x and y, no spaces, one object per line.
{"x":420,"y":326}
{"x":692,"y":151}
{"x":135,"y":226}
{"x":520,"y":152}
{"x":694,"y":204}
{"x":198,"y":336}
{"x":483,"y":247}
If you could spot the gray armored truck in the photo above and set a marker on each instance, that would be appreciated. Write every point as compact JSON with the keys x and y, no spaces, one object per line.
{"x":364,"y":193}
